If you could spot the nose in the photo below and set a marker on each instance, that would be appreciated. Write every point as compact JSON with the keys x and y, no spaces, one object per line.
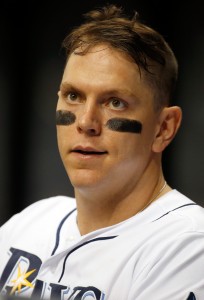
{"x":89,"y":120}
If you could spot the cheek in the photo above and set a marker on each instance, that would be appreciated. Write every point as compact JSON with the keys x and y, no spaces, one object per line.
{"x":149,"y":134}
{"x":125,"y":146}
{"x":59,"y":138}
{"x":64,"y":119}
{"x":63,"y":133}
{"x":132,"y":147}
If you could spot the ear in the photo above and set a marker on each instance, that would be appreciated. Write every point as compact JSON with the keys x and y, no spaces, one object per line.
{"x":168,"y":125}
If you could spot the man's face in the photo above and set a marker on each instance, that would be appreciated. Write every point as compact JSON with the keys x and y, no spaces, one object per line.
{"x":106,"y":123}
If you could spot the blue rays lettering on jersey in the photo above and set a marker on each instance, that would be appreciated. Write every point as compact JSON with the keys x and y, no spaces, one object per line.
{"x":57,"y":291}
{"x":20,"y":274}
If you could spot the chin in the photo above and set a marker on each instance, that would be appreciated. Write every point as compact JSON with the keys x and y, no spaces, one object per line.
{"x":85,"y":180}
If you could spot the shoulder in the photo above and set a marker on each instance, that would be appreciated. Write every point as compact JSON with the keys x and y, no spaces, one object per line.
{"x":55,"y":204}
{"x":48,"y":210}
{"x":175,"y":207}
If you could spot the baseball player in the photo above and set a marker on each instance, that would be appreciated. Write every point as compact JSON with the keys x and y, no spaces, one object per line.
{"x":127,"y":235}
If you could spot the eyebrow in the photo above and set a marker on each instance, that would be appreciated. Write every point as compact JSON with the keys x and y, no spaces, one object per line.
{"x":68,"y":86}
{"x":118,"y":92}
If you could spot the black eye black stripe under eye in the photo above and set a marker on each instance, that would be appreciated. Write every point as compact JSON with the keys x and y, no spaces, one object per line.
{"x":65,"y":117}
{"x":124,"y":125}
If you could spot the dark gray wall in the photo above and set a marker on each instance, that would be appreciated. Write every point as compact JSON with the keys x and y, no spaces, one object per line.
{"x":31,"y":65}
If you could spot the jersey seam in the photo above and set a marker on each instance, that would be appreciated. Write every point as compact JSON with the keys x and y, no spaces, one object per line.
{"x":57,"y":240}
{"x":79,"y":246}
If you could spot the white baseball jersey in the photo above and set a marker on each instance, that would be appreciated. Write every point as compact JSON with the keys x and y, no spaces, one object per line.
{"x":157,"y":254}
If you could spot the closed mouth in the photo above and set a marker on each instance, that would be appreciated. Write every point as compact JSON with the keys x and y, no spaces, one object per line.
{"x":85,"y":152}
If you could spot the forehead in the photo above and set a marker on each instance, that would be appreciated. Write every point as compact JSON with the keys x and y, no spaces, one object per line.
{"x":101,"y":58}
{"x":106,"y":68}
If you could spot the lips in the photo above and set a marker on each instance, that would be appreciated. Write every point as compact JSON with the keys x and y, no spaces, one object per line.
{"x":88,"y":151}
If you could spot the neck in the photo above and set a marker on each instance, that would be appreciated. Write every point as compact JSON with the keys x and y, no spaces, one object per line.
{"x":102,"y":208}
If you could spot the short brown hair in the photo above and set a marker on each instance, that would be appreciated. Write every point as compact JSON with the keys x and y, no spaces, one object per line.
{"x":144,"y":45}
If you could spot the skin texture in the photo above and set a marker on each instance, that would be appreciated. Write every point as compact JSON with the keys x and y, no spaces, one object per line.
{"x":114,"y":174}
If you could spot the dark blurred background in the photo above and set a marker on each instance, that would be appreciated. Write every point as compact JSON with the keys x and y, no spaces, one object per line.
{"x":31,"y":66}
